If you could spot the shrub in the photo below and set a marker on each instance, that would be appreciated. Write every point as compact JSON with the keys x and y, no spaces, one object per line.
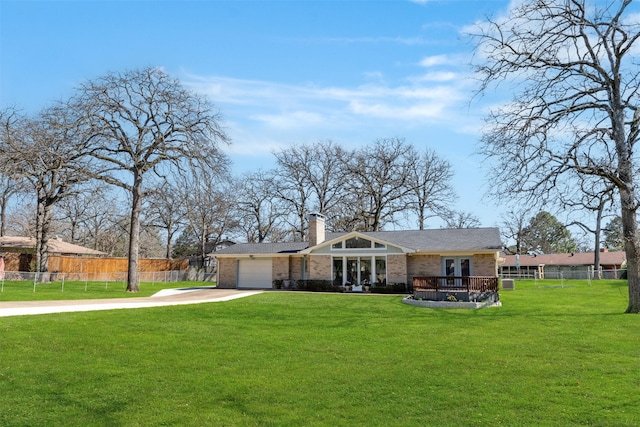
{"x":392,"y":288}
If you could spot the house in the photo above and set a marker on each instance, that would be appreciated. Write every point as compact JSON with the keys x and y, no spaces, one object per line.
{"x":363,"y":258}
{"x":567,"y":266}
{"x":19,"y":251}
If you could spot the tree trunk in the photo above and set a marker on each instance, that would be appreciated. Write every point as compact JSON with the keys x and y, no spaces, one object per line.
{"x":169,"y":239}
{"x":596,"y":255}
{"x":44,"y":247}
{"x":3,"y":218}
{"x":134,"y":233}
{"x":39,"y":223}
{"x":631,"y":246}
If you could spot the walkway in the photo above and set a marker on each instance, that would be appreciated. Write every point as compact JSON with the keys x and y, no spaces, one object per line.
{"x":163,"y":298}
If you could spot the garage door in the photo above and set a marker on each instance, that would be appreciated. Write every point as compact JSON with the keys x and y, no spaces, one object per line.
{"x":255,"y":273}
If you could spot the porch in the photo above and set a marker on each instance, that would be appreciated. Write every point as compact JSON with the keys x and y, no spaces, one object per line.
{"x":456,"y":288}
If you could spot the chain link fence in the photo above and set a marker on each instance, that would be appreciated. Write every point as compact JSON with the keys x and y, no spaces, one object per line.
{"x":586,"y":273}
{"x":114,"y":277}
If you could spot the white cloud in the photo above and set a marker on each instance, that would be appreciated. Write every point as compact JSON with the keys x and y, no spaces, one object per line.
{"x":386,"y":111}
{"x":290,"y":120}
{"x":264,"y":116}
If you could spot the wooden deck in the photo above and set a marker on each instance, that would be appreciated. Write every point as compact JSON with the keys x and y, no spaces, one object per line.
{"x":455,"y":283}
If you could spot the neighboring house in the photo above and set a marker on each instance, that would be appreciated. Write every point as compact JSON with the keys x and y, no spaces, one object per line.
{"x":19,"y":251}
{"x":57,"y":246}
{"x":362,"y":258}
{"x":567,"y":266}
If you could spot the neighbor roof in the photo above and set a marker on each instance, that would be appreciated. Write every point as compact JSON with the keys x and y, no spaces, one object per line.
{"x":432,"y":241}
{"x":56,"y":246}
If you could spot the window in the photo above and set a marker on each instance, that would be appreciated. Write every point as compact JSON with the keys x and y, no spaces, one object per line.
{"x":381,"y":270}
{"x":357,"y":243}
{"x":337,"y":272}
{"x":337,"y":245}
{"x":359,"y":270}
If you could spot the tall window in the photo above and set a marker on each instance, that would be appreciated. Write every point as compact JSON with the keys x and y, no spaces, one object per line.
{"x":360,"y":270}
{"x":338,"y":272}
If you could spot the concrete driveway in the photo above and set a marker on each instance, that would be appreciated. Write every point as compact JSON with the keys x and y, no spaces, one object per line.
{"x":162,"y":298}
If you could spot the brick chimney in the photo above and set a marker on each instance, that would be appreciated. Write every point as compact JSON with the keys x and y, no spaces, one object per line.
{"x":316,"y":229}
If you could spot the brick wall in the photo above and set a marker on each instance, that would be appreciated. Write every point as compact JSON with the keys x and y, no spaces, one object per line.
{"x":397,"y":268}
{"x":485,"y":265}
{"x":280,"y":268}
{"x":227,"y":273}
{"x":320,"y":267}
{"x":423,"y":266}
{"x":295,"y":268}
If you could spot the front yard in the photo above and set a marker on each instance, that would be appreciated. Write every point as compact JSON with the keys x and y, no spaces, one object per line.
{"x":548,"y":356}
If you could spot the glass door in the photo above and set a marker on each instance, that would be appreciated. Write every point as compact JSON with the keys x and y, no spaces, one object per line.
{"x":456,"y":270}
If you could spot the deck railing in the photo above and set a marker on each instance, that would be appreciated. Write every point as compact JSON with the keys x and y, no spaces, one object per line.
{"x":456,"y":283}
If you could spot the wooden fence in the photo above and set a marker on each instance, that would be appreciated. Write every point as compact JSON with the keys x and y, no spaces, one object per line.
{"x":95,"y":268}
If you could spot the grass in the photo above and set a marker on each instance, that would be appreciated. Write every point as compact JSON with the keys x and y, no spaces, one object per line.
{"x":547,"y":357}
{"x":11,"y":290}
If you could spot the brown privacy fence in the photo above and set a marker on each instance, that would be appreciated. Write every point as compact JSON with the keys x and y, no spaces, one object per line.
{"x":111,"y":268}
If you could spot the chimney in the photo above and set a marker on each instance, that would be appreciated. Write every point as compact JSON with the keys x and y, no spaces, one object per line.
{"x":316,"y":229}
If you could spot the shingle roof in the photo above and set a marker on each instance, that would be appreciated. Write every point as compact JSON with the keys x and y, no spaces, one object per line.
{"x":582,"y":258}
{"x":263,"y":248}
{"x":443,"y":240}
{"x":57,"y":246}
{"x":437,"y":240}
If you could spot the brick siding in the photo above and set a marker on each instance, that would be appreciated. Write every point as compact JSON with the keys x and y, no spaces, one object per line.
{"x":485,"y":265}
{"x":423,"y":266}
{"x":397,"y":268}
{"x":227,"y":273}
{"x":320,"y":267}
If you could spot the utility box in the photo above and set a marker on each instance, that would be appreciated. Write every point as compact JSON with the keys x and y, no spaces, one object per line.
{"x":508,"y":284}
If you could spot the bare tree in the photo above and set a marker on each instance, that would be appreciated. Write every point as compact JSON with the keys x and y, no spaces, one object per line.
{"x":573,"y":67}
{"x":74,"y":211}
{"x":432,"y":190}
{"x":462,"y":220}
{"x":143,"y":122}
{"x":380,"y":176}
{"x":594,"y":196}
{"x":210,"y":210}
{"x":260,"y":214}
{"x":292,"y":186}
{"x":48,"y":152}
{"x":512,"y":229}
{"x":313,"y":177}
{"x":9,"y":187}
{"x":166,"y":211}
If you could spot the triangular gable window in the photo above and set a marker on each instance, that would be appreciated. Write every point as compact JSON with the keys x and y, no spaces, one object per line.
{"x":357,"y":243}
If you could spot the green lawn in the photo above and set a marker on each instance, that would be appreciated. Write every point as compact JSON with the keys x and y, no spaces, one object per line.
{"x":548,"y":357}
{"x":11,"y":290}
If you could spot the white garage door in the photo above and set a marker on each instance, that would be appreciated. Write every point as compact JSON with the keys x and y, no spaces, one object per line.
{"x":255,"y":273}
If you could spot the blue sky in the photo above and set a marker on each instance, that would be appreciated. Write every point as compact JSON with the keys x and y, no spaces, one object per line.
{"x":281,"y":72}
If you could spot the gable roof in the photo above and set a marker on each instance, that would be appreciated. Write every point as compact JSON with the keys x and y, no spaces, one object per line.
{"x":56,"y":246}
{"x":583,"y":258}
{"x":428,"y":241}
